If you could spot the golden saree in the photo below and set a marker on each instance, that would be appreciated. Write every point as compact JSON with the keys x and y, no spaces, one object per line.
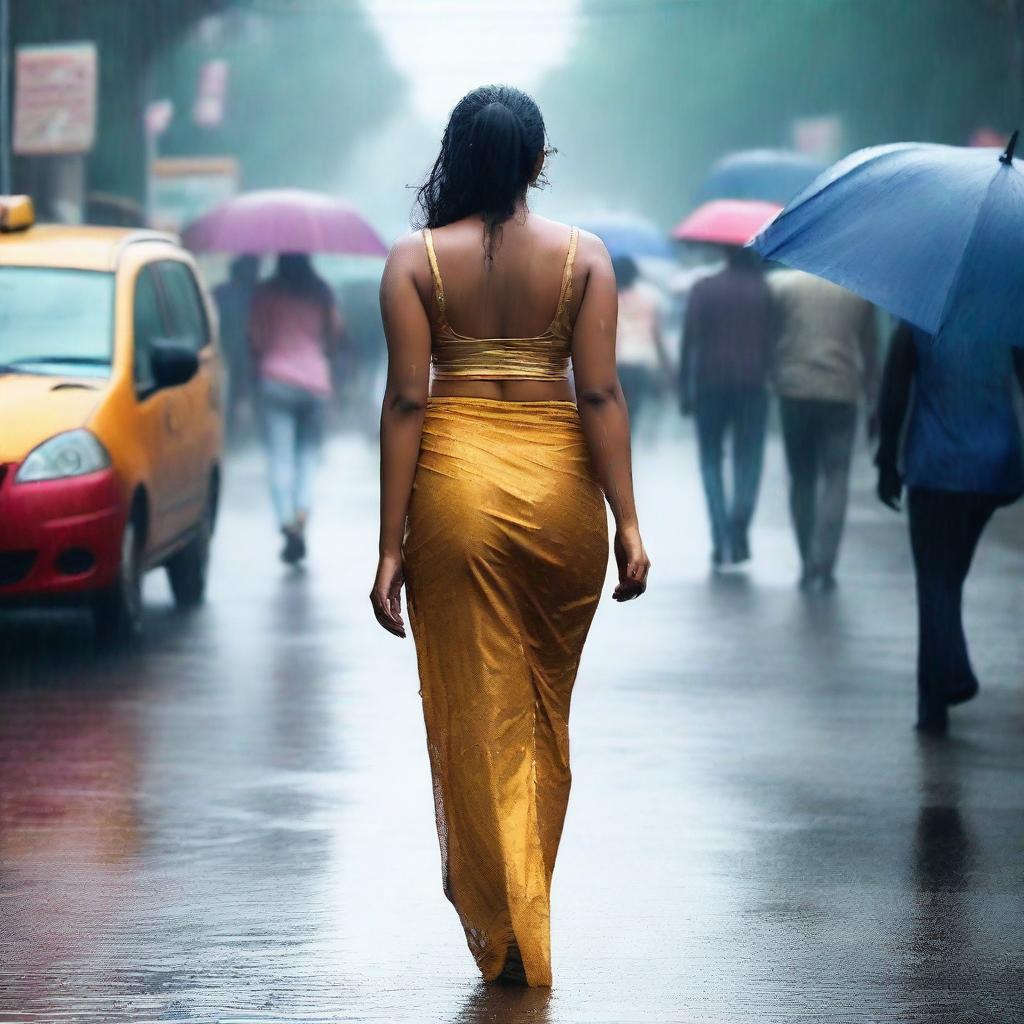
{"x":505,"y":556}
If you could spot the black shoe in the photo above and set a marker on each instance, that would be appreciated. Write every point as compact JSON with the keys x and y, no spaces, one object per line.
{"x":294,"y":547}
{"x":962,"y":696}
{"x":932,"y":719}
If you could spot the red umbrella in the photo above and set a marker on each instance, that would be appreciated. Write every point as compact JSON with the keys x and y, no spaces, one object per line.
{"x":283,"y":220}
{"x":726,"y":221}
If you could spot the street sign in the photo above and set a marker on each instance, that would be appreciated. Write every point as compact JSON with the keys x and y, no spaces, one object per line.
{"x":819,"y":136}
{"x":212,"y":91}
{"x":55,"y":99}
{"x":158,"y":116}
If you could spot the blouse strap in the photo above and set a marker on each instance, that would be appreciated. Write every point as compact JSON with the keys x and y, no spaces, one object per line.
{"x":565,"y":296}
{"x":435,"y":273}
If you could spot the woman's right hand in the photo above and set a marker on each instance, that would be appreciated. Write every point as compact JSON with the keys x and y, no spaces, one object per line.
{"x":633,"y":564}
{"x":386,"y":595}
{"x":890,"y":484}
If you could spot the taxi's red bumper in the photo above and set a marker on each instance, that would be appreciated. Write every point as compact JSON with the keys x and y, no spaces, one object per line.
{"x":59,"y":537}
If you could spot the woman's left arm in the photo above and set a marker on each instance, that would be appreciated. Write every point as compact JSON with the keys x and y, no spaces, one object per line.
{"x":407,"y":329}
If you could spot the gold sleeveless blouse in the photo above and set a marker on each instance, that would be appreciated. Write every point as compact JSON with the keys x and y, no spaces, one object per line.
{"x":456,"y":356}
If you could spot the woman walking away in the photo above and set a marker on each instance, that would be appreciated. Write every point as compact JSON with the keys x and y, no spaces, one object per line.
{"x":493,"y":476}
{"x":644,"y":367}
{"x":961,"y":461}
{"x":293,"y":327}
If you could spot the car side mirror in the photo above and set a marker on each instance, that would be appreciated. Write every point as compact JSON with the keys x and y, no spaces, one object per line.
{"x":173,"y":362}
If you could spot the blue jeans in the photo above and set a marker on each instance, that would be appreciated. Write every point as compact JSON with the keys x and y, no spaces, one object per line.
{"x":744,"y":415}
{"x":293,"y":427}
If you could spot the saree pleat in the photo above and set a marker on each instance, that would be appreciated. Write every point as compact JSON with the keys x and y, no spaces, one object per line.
{"x":505,"y":555}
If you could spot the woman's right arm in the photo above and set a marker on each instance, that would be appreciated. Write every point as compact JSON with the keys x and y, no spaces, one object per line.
{"x":604,"y":417}
{"x":407,"y":329}
{"x":893,"y":402}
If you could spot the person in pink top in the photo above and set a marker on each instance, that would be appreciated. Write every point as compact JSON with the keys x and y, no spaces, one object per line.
{"x":294,"y":326}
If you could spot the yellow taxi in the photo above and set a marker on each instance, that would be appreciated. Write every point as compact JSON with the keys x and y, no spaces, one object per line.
{"x":110,"y":417}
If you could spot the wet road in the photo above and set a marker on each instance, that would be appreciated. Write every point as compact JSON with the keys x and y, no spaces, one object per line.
{"x":234,"y":823}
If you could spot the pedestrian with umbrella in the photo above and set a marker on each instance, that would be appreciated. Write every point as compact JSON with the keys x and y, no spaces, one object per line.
{"x":294,"y":329}
{"x":771,"y":175}
{"x":728,"y":335}
{"x":931,"y":233}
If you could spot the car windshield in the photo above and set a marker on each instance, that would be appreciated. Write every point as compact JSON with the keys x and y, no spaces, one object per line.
{"x":56,"y":321}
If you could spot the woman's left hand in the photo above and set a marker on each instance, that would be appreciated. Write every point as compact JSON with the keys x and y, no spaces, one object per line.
{"x":386,"y":595}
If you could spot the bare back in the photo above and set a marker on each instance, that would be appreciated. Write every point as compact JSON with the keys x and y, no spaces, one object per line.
{"x":514,"y":296}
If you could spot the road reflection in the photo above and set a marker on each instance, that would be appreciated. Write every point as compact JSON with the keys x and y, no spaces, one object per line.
{"x":505,"y":1004}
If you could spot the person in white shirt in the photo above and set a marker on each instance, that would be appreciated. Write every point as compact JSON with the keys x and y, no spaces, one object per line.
{"x":640,"y":353}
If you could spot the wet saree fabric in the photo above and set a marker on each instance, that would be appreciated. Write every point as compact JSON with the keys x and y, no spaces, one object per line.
{"x":505,"y":556}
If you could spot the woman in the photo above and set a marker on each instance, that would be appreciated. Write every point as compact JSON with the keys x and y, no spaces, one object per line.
{"x":491,"y":509}
{"x":644,"y":365}
{"x":961,"y":461}
{"x":293,"y":326}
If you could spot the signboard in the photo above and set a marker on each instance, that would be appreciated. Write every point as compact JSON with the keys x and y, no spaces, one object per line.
{"x":182,"y":188}
{"x":819,"y":136}
{"x":158,"y":116}
{"x":55,"y":99}
{"x":210,"y":96}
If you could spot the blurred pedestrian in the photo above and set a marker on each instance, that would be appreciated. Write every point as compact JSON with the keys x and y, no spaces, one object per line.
{"x":233,"y":298}
{"x":826,"y":357}
{"x":644,"y":367}
{"x":294,"y":327}
{"x":727,"y":340}
{"x":961,"y":460}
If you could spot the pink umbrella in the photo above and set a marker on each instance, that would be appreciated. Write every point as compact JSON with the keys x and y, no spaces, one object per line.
{"x":283,"y":220}
{"x":726,"y":221}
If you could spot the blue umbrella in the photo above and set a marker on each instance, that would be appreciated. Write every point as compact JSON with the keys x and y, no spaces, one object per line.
{"x":625,"y":235}
{"x":934,"y":234}
{"x":771,"y":175}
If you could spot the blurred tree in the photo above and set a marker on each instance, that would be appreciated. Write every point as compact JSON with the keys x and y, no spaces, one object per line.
{"x":655,"y":90}
{"x":126,"y":35}
{"x":307,"y":80}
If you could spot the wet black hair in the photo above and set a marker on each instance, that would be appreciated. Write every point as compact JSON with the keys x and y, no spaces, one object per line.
{"x":489,"y":153}
{"x":626,"y":272}
{"x":295,"y":274}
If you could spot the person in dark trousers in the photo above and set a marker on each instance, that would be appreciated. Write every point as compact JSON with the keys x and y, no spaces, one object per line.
{"x":826,"y":357}
{"x":727,"y":341}
{"x":961,"y":461}
{"x":233,"y":298}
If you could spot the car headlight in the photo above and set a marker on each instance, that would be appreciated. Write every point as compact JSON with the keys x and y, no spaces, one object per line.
{"x":72,"y":454}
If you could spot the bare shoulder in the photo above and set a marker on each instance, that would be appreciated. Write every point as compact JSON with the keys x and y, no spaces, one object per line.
{"x":405,"y":251}
{"x":591,"y":252}
{"x":406,"y":264}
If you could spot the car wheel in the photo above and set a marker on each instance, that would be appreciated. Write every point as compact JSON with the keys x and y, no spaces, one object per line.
{"x":117,"y":611}
{"x":187,"y":570}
